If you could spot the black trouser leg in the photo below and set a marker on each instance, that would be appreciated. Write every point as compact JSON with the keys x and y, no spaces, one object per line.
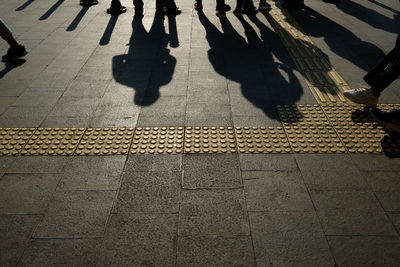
{"x":387,"y":70}
{"x":248,"y":5}
{"x":170,"y":5}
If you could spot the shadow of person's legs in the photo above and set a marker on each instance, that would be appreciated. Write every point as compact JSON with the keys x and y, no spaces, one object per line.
{"x":105,"y":39}
{"x":9,"y":66}
{"x":51,"y":10}
{"x":77,"y":20}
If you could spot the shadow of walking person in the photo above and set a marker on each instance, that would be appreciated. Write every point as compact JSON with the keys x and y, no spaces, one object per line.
{"x":340,"y":40}
{"x":251,"y":64}
{"x":148,"y":59}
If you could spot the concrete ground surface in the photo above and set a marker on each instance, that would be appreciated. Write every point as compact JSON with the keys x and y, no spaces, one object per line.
{"x":86,"y":68}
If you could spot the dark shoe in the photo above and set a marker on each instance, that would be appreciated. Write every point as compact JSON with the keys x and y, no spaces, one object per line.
{"x":287,"y":5}
{"x":238,"y":12}
{"x":331,"y":1}
{"x":116,"y":11}
{"x":89,"y":2}
{"x":173,"y":11}
{"x":14,"y":53}
{"x":227,"y":7}
{"x":251,"y":11}
{"x":389,"y":119}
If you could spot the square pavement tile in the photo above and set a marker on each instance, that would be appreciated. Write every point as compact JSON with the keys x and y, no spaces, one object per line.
{"x":15,"y":231}
{"x":386,"y":185}
{"x":289,"y":239}
{"x":140,"y":240}
{"x":277,"y":191}
{"x":267,"y":162}
{"x":39,"y":164}
{"x":26,"y":193}
{"x":211,"y":171}
{"x":149,"y":192}
{"x":351,"y":213}
{"x":5,"y":162}
{"x":335,"y":179}
{"x":213,"y":212}
{"x":215,"y":251}
{"x":74,"y":214}
{"x":375,"y":162}
{"x":361,"y":251}
{"x":93,"y":173}
{"x":157,"y":163}
{"x":61,"y":252}
{"x":329,"y":162}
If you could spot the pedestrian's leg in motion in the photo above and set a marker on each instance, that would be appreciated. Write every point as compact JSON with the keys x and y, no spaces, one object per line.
{"x":16,"y":50}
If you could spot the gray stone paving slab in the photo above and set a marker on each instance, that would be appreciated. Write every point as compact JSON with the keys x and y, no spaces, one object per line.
{"x":24,"y":116}
{"x":289,"y":239}
{"x":334,"y":179}
{"x":5,"y":162}
{"x":39,"y":164}
{"x":395,"y":218}
{"x":351,"y":213}
{"x":148,"y":163}
{"x":211,"y":171}
{"x":140,"y":240}
{"x":30,"y":98}
{"x":61,"y":252}
{"x":324,"y":162}
{"x":375,"y":162}
{"x":115,"y":116}
{"x":75,"y":106}
{"x":219,"y":212}
{"x":208,"y":115}
{"x":64,"y":121}
{"x":26,"y":193}
{"x":277,"y":191}
{"x":93,"y":173}
{"x":6,"y":102}
{"x":390,"y":200}
{"x":215,"y":251}
{"x":267,"y":162}
{"x":149,"y":192}
{"x":15,"y":231}
{"x":363,"y":251}
{"x":76,"y":214}
{"x":160,"y":121}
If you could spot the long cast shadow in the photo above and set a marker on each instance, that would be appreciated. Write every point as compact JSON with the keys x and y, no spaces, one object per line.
{"x":148,"y":65}
{"x":384,"y":6}
{"x":24,"y":5}
{"x":251,"y":64}
{"x":105,"y":39}
{"x":339,"y":39}
{"x":9,"y":66}
{"x":77,"y":19}
{"x":369,"y":16}
{"x":51,"y":10}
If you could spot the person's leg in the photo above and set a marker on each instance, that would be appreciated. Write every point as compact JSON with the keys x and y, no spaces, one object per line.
{"x":16,"y":50}
{"x":198,"y":5}
{"x":378,"y":79}
{"x":88,"y":2}
{"x":293,"y":4}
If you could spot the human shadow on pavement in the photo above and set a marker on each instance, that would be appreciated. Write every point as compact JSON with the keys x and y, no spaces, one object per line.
{"x":105,"y":39}
{"x":51,"y":10}
{"x":369,"y":16}
{"x":71,"y":27}
{"x":24,"y":5}
{"x":148,"y":64}
{"x":384,"y":6}
{"x":9,"y":66}
{"x":251,"y":64}
{"x":340,"y":40}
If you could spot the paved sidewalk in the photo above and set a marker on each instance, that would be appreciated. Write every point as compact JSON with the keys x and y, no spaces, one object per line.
{"x":86,"y":69}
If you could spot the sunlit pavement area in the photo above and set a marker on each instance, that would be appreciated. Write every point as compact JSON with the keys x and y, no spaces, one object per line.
{"x":195,"y":141}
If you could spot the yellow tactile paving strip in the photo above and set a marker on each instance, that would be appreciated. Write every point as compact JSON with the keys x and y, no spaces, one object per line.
{"x":305,"y":129}
{"x":322,"y":79}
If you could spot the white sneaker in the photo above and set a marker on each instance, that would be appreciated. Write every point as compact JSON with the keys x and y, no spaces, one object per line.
{"x":362,"y":96}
